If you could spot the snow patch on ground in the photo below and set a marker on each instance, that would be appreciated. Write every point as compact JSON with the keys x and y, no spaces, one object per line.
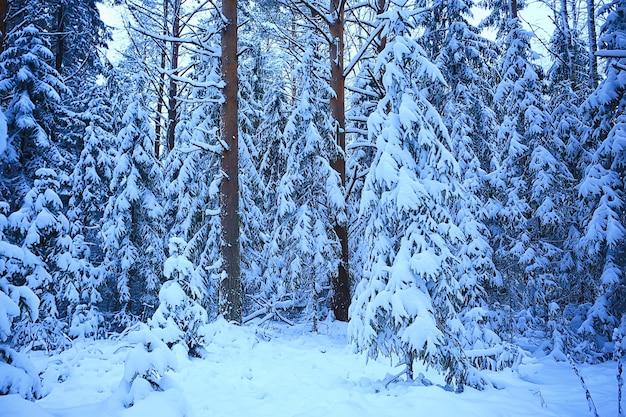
{"x":288,"y":371}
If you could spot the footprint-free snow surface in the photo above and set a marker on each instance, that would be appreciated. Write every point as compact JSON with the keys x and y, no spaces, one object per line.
{"x":288,"y":371}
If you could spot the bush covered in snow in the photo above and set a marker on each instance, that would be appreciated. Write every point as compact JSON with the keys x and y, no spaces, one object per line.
{"x":145,"y":365}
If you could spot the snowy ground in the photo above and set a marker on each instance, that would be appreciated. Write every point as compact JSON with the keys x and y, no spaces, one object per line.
{"x":284,"y":371}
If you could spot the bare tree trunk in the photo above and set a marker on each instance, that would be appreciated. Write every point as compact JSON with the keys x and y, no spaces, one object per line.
{"x":60,"y":50}
{"x":593,"y":43}
{"x":341,"y":283}
{"x":161,"y":85}
{"x":172,"y":105}
{"x":513,"y":8}
{"x":230,"y":280}
{"x":380,"y":9}
{"x":565,"y":23}
{"x":4,"y":12}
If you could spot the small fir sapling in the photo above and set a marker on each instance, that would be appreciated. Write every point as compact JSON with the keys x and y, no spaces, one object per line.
{"x":180,"y":317}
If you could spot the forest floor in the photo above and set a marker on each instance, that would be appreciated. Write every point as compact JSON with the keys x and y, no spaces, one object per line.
{"x":288,"y":371}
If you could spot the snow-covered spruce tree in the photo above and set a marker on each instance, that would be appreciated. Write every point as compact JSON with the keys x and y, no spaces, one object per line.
{"x":603,"y":212}
{"x":90,"y":192}
{"x":41,"y":227}
{"x":366,"y":92}
{"x":272,"y":148}
{"x":568,"y":85}
{"x":569,"y":70}
{"x":192,"y":175}
{"x":133,"y":228}
{"x":407,"y":304}
{"x":180,"y":317}
{"x":93,"y":170}
{"x":254,"y":224}
{"x":530,"y":185}
{"x":19,"y":376}
{"x":303,"y":252}
{"x":466,"y":59}
{"x":33,"y":88}
{"x":272,"y":166}
{"x":19,"y":309}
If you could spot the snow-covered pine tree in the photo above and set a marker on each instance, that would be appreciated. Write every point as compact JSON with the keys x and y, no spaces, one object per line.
{"x":272,"y":149}
{"x":19,"y":309}
{"x":89,"y":193}
{"x":465,"y":58}
{"x":366,"y":91}
{"x":253,"y":79}
{"x":16,"y":302}
{"x":41,"y":227}
{"x":192,"y":175}
{"x":411,"y":235}
{"x":569,"y":70}
{"x":603,"y":212}
{"x":34,"y":89}
{"x":568,"y":85}
{"x":20,"y":270}
{"x":530,"y":183}
{"x":180,"y":317}
{"x":133,"y":226}
{"x":303,"y":247}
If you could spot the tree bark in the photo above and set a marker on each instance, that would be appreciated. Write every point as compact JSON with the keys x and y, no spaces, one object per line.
{"x":172,"y":105}
{"x":341,"y":283}
{"x":230,"y":280}
{"x":161,"y":85}
{"x":381,"y":5}
{"x":593,"y":43}
{"x":513,"y":8}
{"x":565,"y":23}
{"x":60,"y":50}
{"x":4,"y":12}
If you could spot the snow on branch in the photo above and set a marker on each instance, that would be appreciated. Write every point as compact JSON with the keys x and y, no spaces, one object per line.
{"x":611,"y":53}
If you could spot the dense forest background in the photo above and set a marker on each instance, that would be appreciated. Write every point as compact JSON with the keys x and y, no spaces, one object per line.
{"x":389,"y":165}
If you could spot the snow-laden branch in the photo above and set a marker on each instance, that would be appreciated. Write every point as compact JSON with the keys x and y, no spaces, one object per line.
{"x":322,"y":32}
{"x":611,"y":53}
{"x":364,"y":47}
{"x":316,"y":11}
{"x":169,"y":38}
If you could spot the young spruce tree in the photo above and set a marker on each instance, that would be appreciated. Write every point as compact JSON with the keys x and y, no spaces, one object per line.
{"x":407,"y":304}
{"x":132,"y":229}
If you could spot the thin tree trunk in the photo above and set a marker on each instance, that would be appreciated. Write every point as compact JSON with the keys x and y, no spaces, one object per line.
{"x":341,"y":283}
{"x":60,"y":50}
{"x":172,"y":106}
{"x":381,"y":6}
{"x":230,"y":280}
{"x":161,"y":85}
{"x":4,"y":12}
{"x":565,"y":22}
{"x":593,"y":43}
{"x":513,"y":8}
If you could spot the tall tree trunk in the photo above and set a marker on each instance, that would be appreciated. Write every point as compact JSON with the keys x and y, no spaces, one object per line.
{"x":593,"y":43}
{"x":4,"y":12}
{"x":161,"y":84}
{"x":230,"y":279}
{"x":381,"y":5}
{"x":513,"y":8}
{"x":60,"y":50}
{"x":172,"y":105}
{"x":565,"y":23}
{"x":341,"y":283}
